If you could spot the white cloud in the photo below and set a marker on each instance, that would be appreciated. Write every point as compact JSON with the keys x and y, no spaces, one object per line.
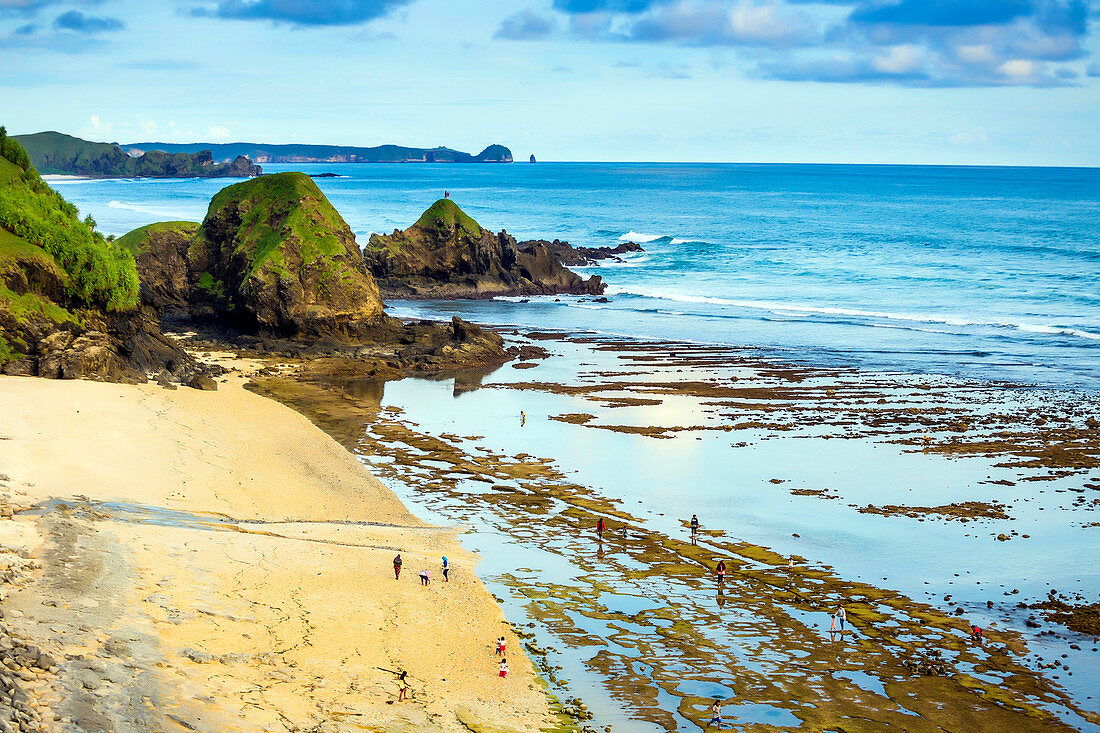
{"x":899,"y":60}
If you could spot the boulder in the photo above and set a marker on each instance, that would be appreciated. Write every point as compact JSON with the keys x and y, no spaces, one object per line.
{"x":202,"y":381}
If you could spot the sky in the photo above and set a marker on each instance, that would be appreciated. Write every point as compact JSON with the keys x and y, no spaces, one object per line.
{"x":983,"y":82}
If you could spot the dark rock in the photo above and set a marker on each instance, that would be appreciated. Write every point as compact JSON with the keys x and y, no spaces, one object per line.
{"x":581,"y":256}
{"x":446,"y":254}
{"x":203,"y":382}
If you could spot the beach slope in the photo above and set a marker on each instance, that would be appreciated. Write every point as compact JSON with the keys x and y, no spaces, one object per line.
{"x":186,"y":559}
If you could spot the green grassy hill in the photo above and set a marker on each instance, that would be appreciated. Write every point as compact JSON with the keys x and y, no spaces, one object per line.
{"x":272,"y":256}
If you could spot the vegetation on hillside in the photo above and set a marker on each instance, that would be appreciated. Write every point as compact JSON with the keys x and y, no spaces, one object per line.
{"x":301,"y":153}
{"x":135,"y":241}
{"x":99,"y":272}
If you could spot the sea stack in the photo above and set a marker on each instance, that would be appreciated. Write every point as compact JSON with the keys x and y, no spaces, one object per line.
{"x":446,"y":254}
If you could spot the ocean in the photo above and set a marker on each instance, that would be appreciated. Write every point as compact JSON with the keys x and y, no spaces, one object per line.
{"x":987,"y":273}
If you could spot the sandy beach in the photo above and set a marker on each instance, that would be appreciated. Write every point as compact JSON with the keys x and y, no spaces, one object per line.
{"x":212,"y":561}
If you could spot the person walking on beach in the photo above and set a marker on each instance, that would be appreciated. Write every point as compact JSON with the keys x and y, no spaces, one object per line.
{"x":402,"y":686}
{"x":694,"y":527}
{"x":446,"y":569}
{"x":599,"y":528}
{"x":397,"y":567}
{"x":503,"y":667}
{"x":841,"y":616}
{"x":716,"y":713}
{"x":500,"y":646}
{"x":425,"y":577}
{"x":721,"y":571}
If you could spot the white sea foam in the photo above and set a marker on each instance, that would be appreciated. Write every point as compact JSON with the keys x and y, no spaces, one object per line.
{"x":633,"y":236}
{"x":155,"y":211}
{"x":796,"y":308}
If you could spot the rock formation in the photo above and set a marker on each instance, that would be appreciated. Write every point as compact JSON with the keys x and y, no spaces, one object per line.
{"x":446,"y":254}
{"x":582,"y":256}
{"x":272,"y":257}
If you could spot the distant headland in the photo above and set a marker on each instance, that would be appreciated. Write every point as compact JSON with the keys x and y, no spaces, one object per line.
{"x":297,"y":153}
{"x":55,"y":153}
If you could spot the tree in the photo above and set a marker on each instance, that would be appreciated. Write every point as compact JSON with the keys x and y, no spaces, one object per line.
{"x":3,"y":141}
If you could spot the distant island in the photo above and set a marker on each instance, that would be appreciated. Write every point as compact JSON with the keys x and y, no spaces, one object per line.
{"x":297,"y":153}
{"x":54,"y":153}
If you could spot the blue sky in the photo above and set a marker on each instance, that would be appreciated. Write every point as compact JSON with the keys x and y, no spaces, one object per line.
{"x":884,"y":81}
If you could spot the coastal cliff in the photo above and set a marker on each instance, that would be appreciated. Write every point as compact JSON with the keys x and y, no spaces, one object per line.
{"x":446,"y":254}
{"x":60,"y":154}
{"x":69,"y":303}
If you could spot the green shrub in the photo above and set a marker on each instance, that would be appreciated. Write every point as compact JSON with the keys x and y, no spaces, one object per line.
{"x":100,"y":272}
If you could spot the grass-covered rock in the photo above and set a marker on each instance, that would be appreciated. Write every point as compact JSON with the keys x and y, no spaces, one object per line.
{"x":160,"y":251}
{"x":446,"y":254}
{"x":272,"y":256}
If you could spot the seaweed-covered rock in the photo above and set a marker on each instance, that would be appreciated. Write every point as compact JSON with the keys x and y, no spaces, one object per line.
{"x":446,"y":254}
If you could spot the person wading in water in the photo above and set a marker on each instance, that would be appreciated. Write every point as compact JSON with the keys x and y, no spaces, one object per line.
{"x":694,"y":527}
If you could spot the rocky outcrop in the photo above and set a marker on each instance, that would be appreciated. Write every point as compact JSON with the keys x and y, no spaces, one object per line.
{"x":583,"y":256}
{"x":271,"y":257}
{"x":160,"y":252}
{"x":446,"y":254}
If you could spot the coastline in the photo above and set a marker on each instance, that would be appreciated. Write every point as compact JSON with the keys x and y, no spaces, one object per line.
{"x":532,"y":489}
{"x":213,"y":559}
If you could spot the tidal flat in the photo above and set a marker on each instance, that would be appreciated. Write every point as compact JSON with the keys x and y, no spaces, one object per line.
{"x":922,"y":504}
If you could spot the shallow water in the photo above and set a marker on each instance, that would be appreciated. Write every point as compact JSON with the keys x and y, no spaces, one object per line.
{"x":583,"y":597}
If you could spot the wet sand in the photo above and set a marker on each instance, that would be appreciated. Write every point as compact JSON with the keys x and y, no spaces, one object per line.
{"x":213,"y":561}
